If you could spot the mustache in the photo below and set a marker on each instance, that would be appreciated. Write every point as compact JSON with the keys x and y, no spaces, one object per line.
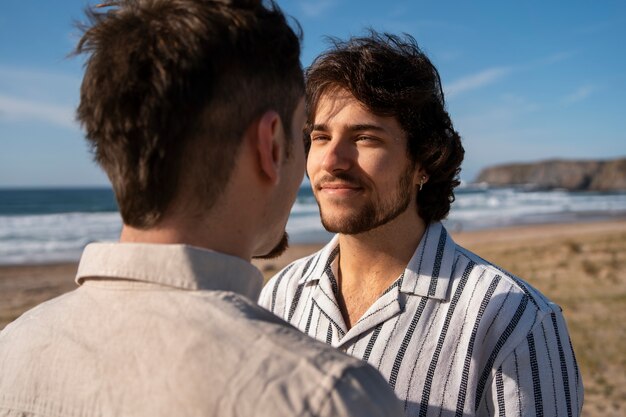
{"x":341,"y":177}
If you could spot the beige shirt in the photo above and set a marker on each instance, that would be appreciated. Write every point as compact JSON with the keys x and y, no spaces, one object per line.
{"x":170,"y":330}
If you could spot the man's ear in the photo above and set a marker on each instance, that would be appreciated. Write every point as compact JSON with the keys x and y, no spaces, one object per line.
{"x":420,"y":177}
{"x":269,"y":145}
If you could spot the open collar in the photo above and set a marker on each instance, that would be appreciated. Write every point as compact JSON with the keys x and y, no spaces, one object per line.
{"x":321,"y":262}
{"x":427,"y":274}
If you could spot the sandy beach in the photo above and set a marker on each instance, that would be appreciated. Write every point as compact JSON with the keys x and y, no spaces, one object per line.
{"x":579,"y":266}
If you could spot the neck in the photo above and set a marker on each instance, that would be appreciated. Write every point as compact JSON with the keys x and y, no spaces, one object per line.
{"x":381,"y":253}
{"x":209,"y":233}
{"x":370,"y":262}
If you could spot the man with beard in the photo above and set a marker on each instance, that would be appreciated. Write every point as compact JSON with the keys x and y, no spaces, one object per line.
{"x":453,"y":334}
{"x":195,"y":110}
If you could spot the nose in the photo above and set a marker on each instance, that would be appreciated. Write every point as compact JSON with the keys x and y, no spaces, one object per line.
{"x":337,"y":156}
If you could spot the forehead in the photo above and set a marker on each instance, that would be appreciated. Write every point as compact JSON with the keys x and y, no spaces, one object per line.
{"x":335,"y":103}
{"x":339,"y":109}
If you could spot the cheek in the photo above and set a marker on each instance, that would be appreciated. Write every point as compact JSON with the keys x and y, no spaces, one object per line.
{"x":312,"y":163}
{"x":384,"y":172}
{"x":375,"y":165}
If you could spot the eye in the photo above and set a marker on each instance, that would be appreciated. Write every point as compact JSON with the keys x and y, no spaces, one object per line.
{"x":316,"y":137}
{"x":367,"y":140}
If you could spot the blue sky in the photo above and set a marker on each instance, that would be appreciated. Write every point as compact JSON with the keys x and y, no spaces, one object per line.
{"x":524,"y":81}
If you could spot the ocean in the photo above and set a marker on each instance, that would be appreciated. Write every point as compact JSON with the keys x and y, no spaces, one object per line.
{"x":54,"y":225}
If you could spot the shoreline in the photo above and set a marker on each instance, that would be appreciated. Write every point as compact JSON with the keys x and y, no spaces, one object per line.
{"x":460,"y":235}
{"x":470,"y":239}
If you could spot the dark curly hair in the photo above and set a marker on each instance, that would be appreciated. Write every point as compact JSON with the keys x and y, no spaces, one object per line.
{"x":391,"y":76}
{"x":170,"y":87}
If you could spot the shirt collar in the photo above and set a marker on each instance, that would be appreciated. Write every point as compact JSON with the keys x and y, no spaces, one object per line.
{"x":428,"y":273}
{"x":322,"y":261}
{"x":179,"y":266}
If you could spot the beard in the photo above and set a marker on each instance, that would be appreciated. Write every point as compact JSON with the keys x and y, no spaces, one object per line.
{"x":277,"y":250}
{"x":372,"y":214}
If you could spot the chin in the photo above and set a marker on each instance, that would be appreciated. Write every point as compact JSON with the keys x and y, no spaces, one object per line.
{"x":334,"y":221}
{"x":278,"y":249}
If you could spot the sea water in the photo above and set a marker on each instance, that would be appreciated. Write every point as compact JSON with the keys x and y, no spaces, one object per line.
{"x":54,"y":225}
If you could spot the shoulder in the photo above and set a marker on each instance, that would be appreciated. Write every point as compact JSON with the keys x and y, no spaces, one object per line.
{"x":326,"y":381}
{"x":522,"y":334}
{"x":39,"y":319}
{"x":507,"y":281}
{"x":340,"y":385}
{"x":509,"y":310}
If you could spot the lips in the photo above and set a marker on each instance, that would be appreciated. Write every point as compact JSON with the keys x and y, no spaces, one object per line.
{"x":339,"y":179}
{"x":338,"y":186}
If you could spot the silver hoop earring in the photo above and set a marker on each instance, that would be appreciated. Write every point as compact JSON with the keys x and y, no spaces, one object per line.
{"x":422,"y":181}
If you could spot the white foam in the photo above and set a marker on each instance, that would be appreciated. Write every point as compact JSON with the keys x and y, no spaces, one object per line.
{"x":62,"y":237}
{"x":53,"y":237}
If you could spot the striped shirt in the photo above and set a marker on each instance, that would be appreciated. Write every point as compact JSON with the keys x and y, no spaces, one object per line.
{"x":454,"y":335}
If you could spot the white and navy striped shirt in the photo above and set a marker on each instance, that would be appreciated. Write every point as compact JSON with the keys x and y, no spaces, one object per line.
{"x":454,"y":335}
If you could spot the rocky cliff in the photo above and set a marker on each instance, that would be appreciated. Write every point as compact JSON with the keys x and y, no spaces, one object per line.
{"x":607,"y":175}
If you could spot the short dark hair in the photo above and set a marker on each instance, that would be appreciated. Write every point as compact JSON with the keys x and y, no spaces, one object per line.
{"x":170,"y":87}
{"x":391,"y":76}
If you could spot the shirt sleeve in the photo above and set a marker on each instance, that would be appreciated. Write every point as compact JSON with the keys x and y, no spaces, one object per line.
{"x":539,"y":378}
{"x":361,"y":391}
{"x":274,"y":294}
{"x":265,"y":295}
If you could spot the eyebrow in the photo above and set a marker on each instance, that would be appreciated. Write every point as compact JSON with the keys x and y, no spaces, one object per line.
{"x":352,"y":128}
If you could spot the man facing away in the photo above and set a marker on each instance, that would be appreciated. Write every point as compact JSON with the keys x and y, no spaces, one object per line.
{"x":195,"y":111}
{"x":453,"y":334}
